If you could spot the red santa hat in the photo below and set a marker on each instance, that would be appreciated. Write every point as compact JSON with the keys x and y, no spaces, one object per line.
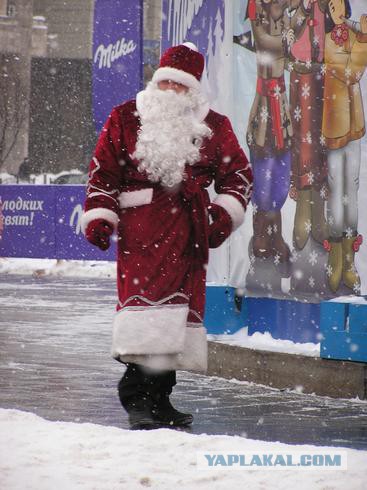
{"x":182,"y":64}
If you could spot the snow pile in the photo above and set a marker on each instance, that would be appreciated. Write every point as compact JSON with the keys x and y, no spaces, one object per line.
{"x":53,"y":267}
{"x":264,"y":341}
{"x":36,"y":454}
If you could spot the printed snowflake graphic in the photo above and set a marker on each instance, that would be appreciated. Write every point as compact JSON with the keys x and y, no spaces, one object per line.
{"x":277,"y":91}
{"x":323,"y":69}
{"x":310,"y":178}
{"x":322,"y":140}
{"x":294,"y":256}
{"x":275,"y":228}
{"x":359,"y":75}
{"x":311,"y":281}
{"x":251,"y":270}
{"x":345,"y":200}
{"x":264,"y":114}
{"x":269,"y":230}
{"x":308,"y":138}
{"x":290,"y":67}
{"x":348,"y":72}
{"x":254,"y":208}
{"x":312,"y":258}
{"x":349,"y":232}
{"x":356,"y":288}
{"x":308,"y":226}
{"x":250,"y":138}
{"x":277,"y":259}
{"x":306,"y":90}
{"x":316,"y":40}
{"x":297,"y":113}
{"x":329,"y":270}
{"x":330,"y":220}
{"x":323,"y":192}
{"x":308,"y":64}
{"x":252,"y":258}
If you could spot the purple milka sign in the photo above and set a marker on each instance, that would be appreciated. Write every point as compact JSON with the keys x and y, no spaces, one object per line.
{"x":117,"y":55}
{"x":45,"y":222}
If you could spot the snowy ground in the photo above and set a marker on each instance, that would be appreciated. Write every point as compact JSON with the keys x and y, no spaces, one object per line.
{"x":43,"y":455}
{"x":74,"y":268}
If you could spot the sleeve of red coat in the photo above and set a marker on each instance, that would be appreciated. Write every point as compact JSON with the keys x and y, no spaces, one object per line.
{"x":233,"y":175}
{"x":105,"y":179}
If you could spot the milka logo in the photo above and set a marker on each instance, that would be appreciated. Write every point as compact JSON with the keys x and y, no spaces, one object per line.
{"x":111,"y":53}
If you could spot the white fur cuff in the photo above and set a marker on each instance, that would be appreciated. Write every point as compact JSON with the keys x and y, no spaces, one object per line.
{"x":149,"y":330}
{"x":233,"y":207}
{"x":178,"y":76}
{"x":99,"y":213}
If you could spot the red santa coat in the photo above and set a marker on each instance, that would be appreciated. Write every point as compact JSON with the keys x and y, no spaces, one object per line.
{"x":163,"y":238}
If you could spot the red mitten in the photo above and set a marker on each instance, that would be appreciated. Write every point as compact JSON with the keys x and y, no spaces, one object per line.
{"x":221,"y":227}
{"x":98,"y":233}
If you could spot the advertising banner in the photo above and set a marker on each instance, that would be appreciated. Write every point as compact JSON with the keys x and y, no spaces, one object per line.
{"x":117,"y":55}
{"x":44,"y":221}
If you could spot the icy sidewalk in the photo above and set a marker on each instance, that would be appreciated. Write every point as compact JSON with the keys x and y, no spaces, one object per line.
{"x":55,"y":335}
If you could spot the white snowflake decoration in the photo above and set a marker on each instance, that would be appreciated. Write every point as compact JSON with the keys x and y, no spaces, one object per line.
{"x":322,"y":140}
{"x":356,"y":287}
{"x":308,"y":64}
{"x":308,"y":138}
{"x":329,"y":270}
{"x":290,"y":66}
{"x":349,"y":232}
{"x":277,"y":259}
{"x":297,"y":113}
{"x":264,"y":114}
{"x":312,"y":258}
{"x":323,"y":192}
{"x":348,"y":72}
{"x":311,"y":282}
{"x":345,"y":200}
{"x":277,"y":91}
{"x":310,"y":178}
{"x":254,"y":208}
{"x":269,"y":230}
{"x":308,"y":226}
{"x":306,"y":90}
{"x":268,"y":174}
{"x":300,"y":20}
{"x":323,"y":69}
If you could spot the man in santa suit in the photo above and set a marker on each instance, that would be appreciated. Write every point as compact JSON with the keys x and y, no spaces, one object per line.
{"x":154,"y":160}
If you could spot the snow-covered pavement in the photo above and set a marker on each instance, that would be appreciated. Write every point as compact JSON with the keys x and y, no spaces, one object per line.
{"x":55,"y":337}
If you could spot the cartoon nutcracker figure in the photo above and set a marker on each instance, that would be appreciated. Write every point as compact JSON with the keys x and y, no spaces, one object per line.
{"x":343,"y":127}
{"x":309,"y":168}
{"x":269,"y":134}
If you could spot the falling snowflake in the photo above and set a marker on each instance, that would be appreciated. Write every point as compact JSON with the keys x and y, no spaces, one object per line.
{"x":329,"y":270}
{"x":322,"y":140}
{"x":345,"y":200}
{"x":311,"y":282}
{"x":306,"y":90}
{"x":269,"y":287}
{"x":308,"y":64}
{"x":264,"y":114}
{"x":323,"y":69}
{"x":297,"y":113}
{"x":268,"y":174}
{"x":312,"y":258}
{"x":277,"y":259}
{"x":308,"y":226}
{"x":356,"y":287}
{"x":274,"y":204}
{"x":269,"y":230}
{"x":349,"y":232}
{"x":310,"y":178}
{"x":294,"y":256}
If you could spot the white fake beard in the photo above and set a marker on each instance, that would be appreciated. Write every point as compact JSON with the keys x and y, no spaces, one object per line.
{"x":170,"y":136}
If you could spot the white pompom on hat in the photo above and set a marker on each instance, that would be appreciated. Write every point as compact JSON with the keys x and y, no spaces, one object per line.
{"x":182,"y":64}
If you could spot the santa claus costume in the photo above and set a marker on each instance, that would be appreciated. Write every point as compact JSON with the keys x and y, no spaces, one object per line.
{"x":154,"y":160}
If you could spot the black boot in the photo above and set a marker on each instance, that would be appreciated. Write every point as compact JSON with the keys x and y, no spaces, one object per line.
{"x":165,"y":413}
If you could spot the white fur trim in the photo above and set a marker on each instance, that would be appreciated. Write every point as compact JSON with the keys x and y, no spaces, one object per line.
{"x":193,"y":358}
{"x":233,"y":207}
{"x":149,"y":330}
{"x":99,"y":213}
{"x":178,"y":76}
{"x":135,"y":198}
{"x":191,"y":46}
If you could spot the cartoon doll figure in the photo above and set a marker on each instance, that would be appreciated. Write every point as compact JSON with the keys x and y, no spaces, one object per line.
{"x":269,"y":134}
{"x":309,"y":167}
{"x":343,"y":127}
